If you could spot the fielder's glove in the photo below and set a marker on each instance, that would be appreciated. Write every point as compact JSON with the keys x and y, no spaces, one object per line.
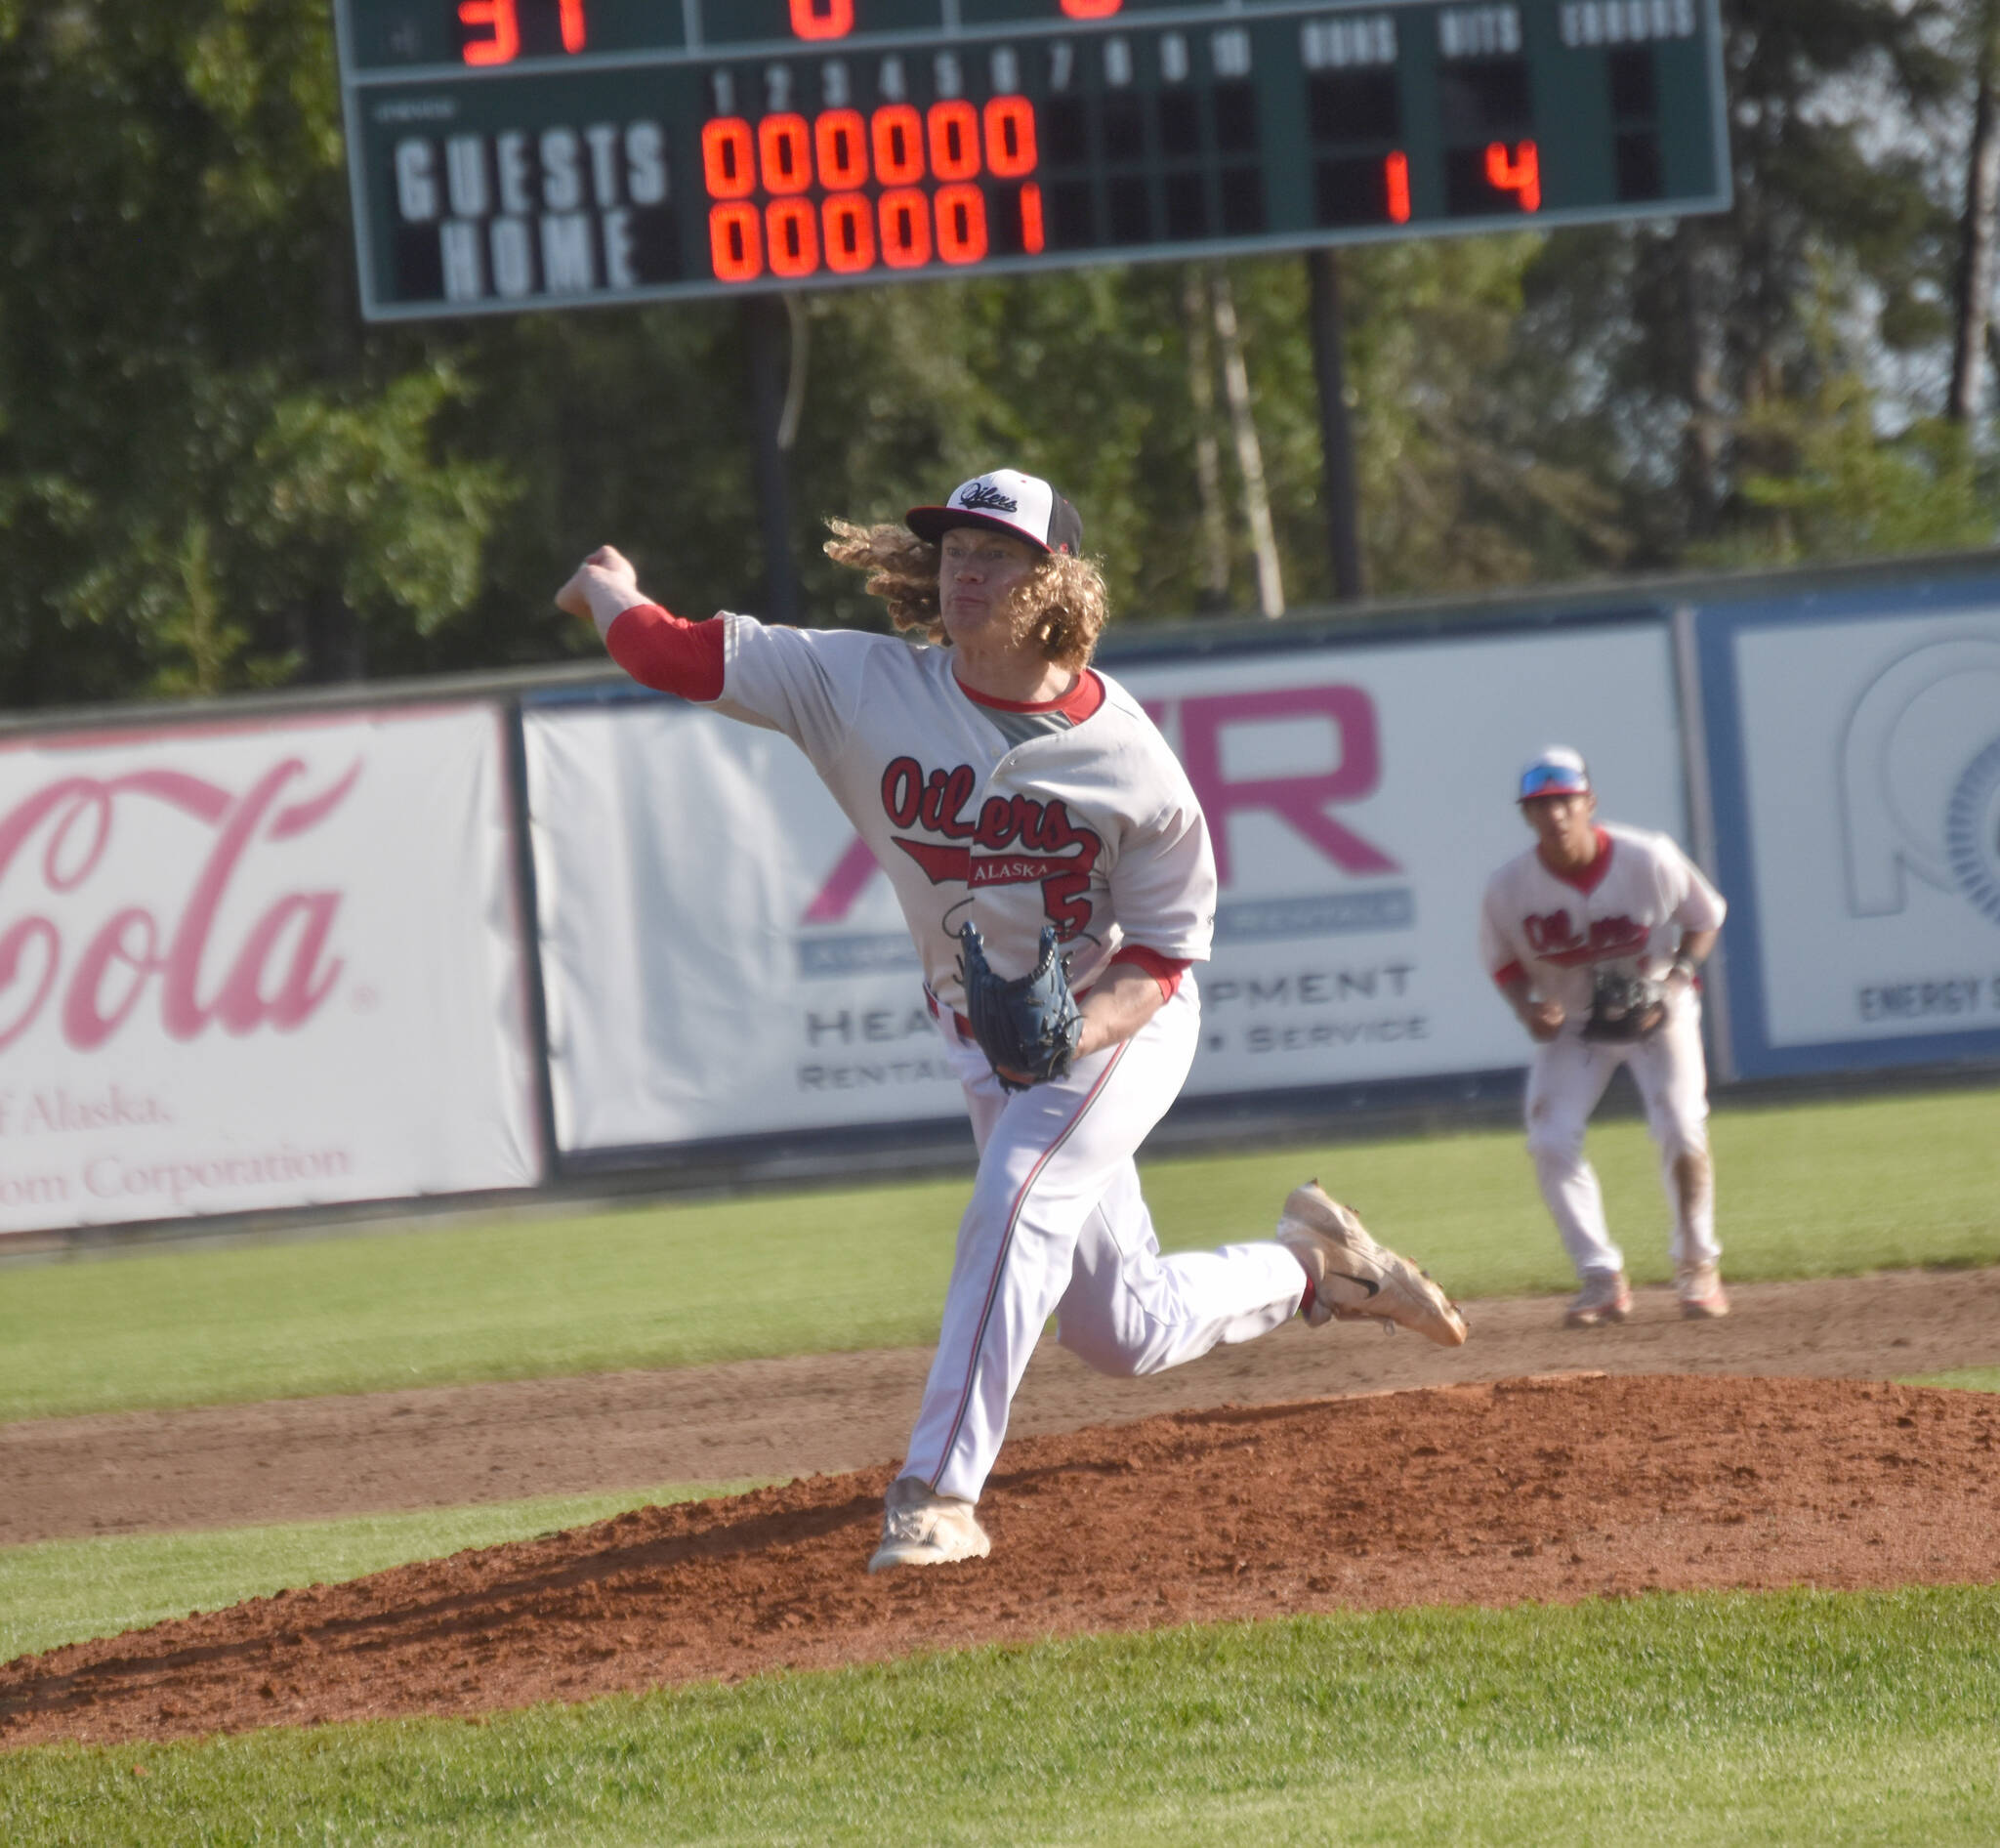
{"x":1624,"y":1007}
{"x":1028,"y":1026}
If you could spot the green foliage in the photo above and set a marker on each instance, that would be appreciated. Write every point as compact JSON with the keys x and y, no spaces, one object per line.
{"x":1837,"y":490}
{"x":1802,"y":1717}
{"x":206,"y":478}
{"x":1803,"y":1193}
{"x":213,"y":477}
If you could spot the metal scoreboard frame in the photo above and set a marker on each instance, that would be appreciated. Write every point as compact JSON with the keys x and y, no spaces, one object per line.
{"x":514,"y":154}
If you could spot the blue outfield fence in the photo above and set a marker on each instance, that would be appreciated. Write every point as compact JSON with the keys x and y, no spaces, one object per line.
{"x":1853,"y":777}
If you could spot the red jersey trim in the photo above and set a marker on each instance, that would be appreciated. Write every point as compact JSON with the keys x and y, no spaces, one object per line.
{"x":667,"y":653}
{"x":1592,"y":876}
{"x":1512,"y":972}
{"x":1167,"y":971}
{"x":1076,"y":705}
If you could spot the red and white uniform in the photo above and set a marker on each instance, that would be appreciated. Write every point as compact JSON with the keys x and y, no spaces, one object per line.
{"x":1629,"y":907}
{"x":1074,"y":814}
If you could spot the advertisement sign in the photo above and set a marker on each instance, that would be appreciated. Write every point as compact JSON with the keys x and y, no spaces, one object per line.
{"x":1856,"y":750}
{"x":721,"y":957}
{"x":260,"y":965}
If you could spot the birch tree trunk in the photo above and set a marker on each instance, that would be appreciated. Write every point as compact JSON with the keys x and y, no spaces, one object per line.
{"x":1271,"y":588}
{"x":1214,"y":593}
{"x":1975,"y":304}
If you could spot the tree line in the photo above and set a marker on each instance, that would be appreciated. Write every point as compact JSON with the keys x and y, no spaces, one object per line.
{"x":214,"y":476}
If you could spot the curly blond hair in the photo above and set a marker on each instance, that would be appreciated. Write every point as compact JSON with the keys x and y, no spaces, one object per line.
{"x":1063,"y":600}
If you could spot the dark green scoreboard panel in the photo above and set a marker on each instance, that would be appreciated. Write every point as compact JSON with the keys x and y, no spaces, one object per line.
{"x":520,"y":153}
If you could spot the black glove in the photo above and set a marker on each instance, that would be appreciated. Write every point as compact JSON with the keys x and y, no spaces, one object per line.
{"x":1624,"y":1006}
{"x":1028,"y":1026}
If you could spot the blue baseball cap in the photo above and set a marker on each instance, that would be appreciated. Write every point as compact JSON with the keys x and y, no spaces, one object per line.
{"x":1557,"y":772}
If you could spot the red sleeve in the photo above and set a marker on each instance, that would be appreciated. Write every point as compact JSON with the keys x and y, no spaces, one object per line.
{"x":1167,"y":971}
{"x":1512,"y":972}
{"x":668,"y":654}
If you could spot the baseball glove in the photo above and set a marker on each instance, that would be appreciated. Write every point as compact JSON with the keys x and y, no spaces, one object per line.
{"x":1028,"y":1026}
{"x":1624,"y":1006}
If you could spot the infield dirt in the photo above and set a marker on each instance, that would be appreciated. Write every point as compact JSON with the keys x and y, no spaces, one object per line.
{"x":1346,"y":1472}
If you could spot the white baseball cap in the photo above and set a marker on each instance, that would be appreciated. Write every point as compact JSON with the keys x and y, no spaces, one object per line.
{"x":1022,"y":506}
{"x":1557,"y":772}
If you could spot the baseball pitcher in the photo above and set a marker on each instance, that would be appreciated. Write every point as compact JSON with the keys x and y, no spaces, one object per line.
{"x":1053,"y":868}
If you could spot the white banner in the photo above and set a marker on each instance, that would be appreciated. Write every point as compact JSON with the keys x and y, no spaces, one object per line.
{"x":1871,"y":757}
{"x":260,"y":964}
{"x":722,"y":958}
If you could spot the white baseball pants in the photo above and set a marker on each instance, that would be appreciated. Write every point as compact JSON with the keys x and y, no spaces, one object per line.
{"x":1057,"y":1226}
{"x":1565,"y":1081}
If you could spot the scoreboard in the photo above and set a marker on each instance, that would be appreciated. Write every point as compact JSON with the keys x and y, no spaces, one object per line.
{"x":523,"y":153}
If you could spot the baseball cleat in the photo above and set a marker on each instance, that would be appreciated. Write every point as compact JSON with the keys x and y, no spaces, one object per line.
{"x":1605,"y":1296}
{"x":1702,"y":1296}
{"x":1355,"y":1279}
{"x":922,"y":1529}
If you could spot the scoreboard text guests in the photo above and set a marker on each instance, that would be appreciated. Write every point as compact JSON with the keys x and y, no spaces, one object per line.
{"x":519,"y":154}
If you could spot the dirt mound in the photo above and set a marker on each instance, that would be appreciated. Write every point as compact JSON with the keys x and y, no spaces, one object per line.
{"x":1557,"y":1488}
{"x":303,"y":1459}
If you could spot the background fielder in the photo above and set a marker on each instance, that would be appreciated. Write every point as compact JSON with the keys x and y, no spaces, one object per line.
{"x":1002,"y":781}
{"x":1588,"y":902}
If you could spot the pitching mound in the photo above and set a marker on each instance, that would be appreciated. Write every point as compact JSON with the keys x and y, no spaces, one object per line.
{"x":1554,"y":1487}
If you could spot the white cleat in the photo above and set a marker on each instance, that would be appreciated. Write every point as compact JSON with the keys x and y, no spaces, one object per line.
{"x":1605,"y":1296}
{"x":1356,"y":1280}
{"x":1702,"y":1293}
{"x":923,"y":1529}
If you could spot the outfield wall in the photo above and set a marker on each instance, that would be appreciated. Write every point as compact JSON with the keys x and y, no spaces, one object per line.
{"x":278,"y":956}
{"x":1852,"y":759}
{"x":722,"y":956}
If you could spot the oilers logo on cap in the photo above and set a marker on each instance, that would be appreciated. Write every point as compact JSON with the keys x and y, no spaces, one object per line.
{"x":1005,"y":500}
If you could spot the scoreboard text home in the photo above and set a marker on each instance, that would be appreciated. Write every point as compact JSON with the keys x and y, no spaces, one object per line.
{"x":514,"y":153}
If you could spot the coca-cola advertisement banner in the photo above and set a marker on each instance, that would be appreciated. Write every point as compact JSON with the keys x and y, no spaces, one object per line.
{"x":722,"y":958}
{"x":258,"y":965}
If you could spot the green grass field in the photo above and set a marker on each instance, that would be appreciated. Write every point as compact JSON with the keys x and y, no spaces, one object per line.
{"x":1797,"y":1718}
{"x":1775,"y":1719}
{"x":1814,"y":1190}
{"x":66,"y":1591}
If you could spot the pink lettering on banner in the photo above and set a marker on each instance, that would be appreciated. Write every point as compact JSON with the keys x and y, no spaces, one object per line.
{"x":1301,"y":801}
{"x":908,"y":796}
{"x":279,"y":973}
{"x":853,"y":869}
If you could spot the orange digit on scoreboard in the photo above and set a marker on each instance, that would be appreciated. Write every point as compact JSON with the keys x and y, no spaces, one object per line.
{"x":792,"y":237}
{"x":840,"y":139}
{"x":1397,"y":176}
{"x":1010,"y":137}
{"x":822,"y":18}
{"x":849,"y":226}
{"x":905,"y":215}
{"x":909,"y":225}
{"x":1031,"y":235}
{"x":500,"y":19}
{"x":735,"y":248}
{"x":729,"y":158}
{"x":952,"y":130}
{"x":898,"y":134}
{"x":784,"y":154}
{"x":1519,"y":173}
{"x":961,"y":223}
